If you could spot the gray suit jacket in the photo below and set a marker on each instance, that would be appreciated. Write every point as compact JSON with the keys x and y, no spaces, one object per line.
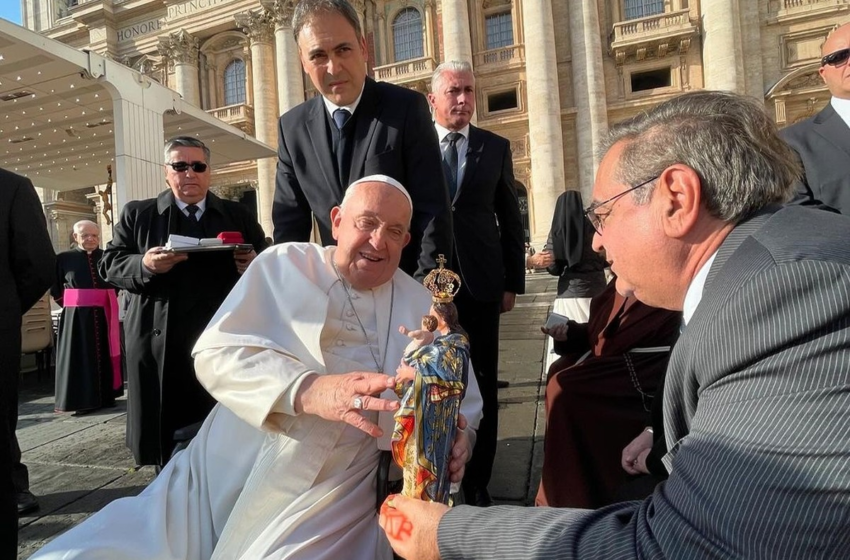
{"x":755,"y":409}
{"x":823,"y":144}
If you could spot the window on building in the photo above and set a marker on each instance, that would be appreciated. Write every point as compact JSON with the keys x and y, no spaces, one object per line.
{"x":407,"y":35}
{"x":234,"y":83}
{"x":652,"y":79}
{"x":63,"y":7}
{"x":642,"y":8}
{"x":500,"y":30}
{"x":502,"y":101}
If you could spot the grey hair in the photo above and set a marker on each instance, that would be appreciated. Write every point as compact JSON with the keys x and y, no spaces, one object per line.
{"x":450,"y":66}
{"x":726,"y":138}
{"x":306,"y":10}
{"x":79,"y":225}
{"x":185,"y":142}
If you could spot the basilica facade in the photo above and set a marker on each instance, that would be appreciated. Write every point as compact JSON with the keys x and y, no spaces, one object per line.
{"x":550,"y":74}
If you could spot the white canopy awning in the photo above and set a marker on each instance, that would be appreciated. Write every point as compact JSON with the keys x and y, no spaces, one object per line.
{"x":66,"y":114}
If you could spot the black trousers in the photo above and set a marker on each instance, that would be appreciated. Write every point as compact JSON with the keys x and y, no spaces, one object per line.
{"x":10,"y":452}
{"x":8,"y":501}
{"x":480,"y":320}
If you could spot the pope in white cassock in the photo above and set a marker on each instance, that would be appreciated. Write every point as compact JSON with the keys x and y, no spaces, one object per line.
{"x":285,"y":466}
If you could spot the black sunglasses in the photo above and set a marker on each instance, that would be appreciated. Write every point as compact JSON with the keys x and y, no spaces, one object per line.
{"x":182,"y":166}
{"x":837,"y":58}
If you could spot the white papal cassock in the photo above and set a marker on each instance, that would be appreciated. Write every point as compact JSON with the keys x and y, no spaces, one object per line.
{"x":300,"y":487}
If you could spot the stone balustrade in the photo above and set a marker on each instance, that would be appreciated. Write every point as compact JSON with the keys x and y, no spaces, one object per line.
{"x":647,"y":27}
{"x":513,"y":54}
{"x":790,"y":10}
{"x":791,"y":4}
{"x":239,"y":115}
{"x":406,"y":71}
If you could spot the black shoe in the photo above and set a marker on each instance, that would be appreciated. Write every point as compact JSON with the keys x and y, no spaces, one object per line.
{"x":27,"y":503}
{"x":479,"y":497}
{"x":501,"y":384}
{"x":85,"y":411}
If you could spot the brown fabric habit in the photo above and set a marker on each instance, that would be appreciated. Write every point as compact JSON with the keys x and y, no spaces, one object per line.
{"x":596,"y":407}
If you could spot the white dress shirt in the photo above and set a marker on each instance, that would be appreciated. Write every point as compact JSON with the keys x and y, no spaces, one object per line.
{"x":331,"y":106}
{"x":842,"y":107}
{"x":202,"y":205}
{"x":694,"y":294}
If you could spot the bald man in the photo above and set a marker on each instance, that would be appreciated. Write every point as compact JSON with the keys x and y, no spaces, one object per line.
{"x":88,"y":358}
{"x":298,"y":357}
{"x":823,"y":141}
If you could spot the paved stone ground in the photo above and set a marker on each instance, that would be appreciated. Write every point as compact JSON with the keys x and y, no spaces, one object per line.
{"x":78,"y":464}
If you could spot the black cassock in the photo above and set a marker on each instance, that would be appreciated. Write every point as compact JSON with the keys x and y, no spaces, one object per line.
{"x":168,"y":312}
{"x":84,"y":377}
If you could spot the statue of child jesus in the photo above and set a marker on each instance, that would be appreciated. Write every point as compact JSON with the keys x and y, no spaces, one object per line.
{"x":430,"y":383}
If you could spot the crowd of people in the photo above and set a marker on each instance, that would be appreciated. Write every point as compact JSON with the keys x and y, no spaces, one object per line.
{"x":695,"y":403}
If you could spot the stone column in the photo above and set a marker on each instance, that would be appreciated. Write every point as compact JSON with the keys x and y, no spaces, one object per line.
{"x":360,"y":8}
{"x":457,"y":41}
{"x":181,"y":49}
{"x":588,"y":90}
{"x":212,"y":81}
{"x":723,"y":64}
{"x":754,"y":85}
{"x":290,"y":80}
{"x":259,"y":28}
{"x":204,"y":82}
{"x":430,"y":44}
{"x":385,"y":32}
{"x":544,"y":110}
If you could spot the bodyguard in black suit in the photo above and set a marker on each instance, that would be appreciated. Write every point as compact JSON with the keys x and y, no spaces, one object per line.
{"x":823,"y":141}
{"x":488,"y":245}
{"x":356,"y":127}
{"x":26,"y":270}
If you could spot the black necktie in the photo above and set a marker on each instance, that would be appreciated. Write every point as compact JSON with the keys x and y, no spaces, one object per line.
{"x":450,"y":162}
{"x":343,"y":146}
{"x":192,"y":209}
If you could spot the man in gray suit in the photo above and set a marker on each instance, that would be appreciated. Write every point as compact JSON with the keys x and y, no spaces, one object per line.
{"x":687,"y":205}
{"x":823,"y":141}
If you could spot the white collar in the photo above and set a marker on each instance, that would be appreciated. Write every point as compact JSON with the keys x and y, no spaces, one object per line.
{"x":694,"y":293}
{"x":331,"y":106}
{"x":202,"y":205}
{"x":842,"y":107}
{"x":442,"y":131}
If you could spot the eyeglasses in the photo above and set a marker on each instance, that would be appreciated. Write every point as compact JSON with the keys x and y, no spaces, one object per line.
{"x":598,"y":220}
{"x":837,"y":58}
{"x":182,"y":166}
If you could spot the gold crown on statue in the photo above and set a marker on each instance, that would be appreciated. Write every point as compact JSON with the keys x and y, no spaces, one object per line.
{"x":442,"y":282}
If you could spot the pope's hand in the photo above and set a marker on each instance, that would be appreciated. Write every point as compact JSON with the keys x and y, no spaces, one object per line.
{"x":461,"y":451}
{"x":336,"y":397}
{"x":159,"y":262}
{"x":243,"y":258}
{"x":411,"y":526}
